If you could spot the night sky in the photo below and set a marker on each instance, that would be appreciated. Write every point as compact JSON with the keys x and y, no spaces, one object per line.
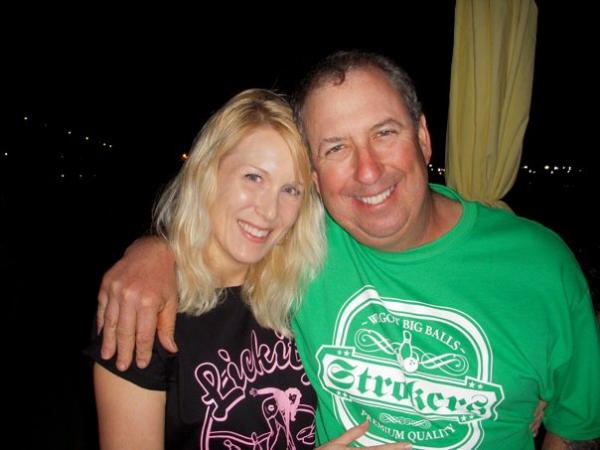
{"x":144,"y":82}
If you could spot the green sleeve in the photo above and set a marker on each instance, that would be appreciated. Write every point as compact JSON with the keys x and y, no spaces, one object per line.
{"x":573,"y":410}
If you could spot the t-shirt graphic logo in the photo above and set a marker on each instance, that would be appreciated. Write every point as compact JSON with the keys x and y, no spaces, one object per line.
{"x":228,"y":383}
{"x":417,"y":372}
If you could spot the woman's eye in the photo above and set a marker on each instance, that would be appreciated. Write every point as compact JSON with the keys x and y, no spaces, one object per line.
{"x":253,"y":177}
{"x":292,"y":191}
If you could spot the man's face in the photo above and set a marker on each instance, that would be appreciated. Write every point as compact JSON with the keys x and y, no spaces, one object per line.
{"x":370,"y":162}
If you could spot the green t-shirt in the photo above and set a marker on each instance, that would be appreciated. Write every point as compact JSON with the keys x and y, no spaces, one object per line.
{"x":450,"y":345}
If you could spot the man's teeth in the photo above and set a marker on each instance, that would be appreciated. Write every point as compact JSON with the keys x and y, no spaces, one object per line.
{"x":377,"y":199}
{"x":256,"y":232}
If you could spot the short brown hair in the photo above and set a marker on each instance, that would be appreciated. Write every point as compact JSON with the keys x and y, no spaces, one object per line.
{"x":333,"y":69}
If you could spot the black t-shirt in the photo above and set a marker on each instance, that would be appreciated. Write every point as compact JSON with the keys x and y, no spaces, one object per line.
{"x":232,"y":385}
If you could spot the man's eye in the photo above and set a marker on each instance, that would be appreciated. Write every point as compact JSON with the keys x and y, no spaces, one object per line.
{"x":253,"y":177}
{"x":386,"y":132}
{"x":334,"y":149}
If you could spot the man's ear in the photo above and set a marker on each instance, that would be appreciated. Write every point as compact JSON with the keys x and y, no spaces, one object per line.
{"x":424,"y":139}
{"x":315,"y":177}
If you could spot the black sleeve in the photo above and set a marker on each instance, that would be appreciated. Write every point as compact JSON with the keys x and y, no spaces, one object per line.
{"x":154,"y":377}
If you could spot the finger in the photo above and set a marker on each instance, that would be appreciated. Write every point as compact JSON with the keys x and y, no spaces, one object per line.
{"x":166,"y":325}
{"x":126,"y":333}
{"x":535,"y":425}
{"x":538,"y":416}
{"x":109,"y":338}
{"x":144,"y":339}
{"x":539,"y":411}
{"x":102,"y":302}
{"x":352,"y":434}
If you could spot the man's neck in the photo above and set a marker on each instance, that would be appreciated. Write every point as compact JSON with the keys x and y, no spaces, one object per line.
{"x":439,"y":214}
{"x":443,"y":216}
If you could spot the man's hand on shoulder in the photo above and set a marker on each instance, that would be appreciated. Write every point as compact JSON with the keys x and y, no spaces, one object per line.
{"x":137,"y":296}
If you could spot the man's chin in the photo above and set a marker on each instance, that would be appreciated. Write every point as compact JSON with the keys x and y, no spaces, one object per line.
{"x":379,"y":238}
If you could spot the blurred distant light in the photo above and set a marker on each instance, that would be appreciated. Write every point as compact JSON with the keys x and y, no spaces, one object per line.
{"x":525,"y":167}
{"x":87,"y":138}
{"x":184,"y":156}
{"x":552,"y":172}
{"x":104,"y":144}
{"x":69,"y":132}
{"x":25,"y":118}
{"x":556,"y":168}
{"x":62,"y":175}
{"x":546,"y":167}
{"x":109,"y":145}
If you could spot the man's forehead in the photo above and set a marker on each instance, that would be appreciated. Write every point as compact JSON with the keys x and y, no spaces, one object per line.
{"x":366,"y":96}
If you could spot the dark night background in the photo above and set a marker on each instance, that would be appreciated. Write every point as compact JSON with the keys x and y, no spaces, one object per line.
{"x":140,"y":85}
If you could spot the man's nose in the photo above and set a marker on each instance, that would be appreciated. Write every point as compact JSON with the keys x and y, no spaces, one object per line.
{"x":368,"y":167}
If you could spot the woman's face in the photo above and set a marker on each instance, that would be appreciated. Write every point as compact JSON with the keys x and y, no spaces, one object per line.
{"x":258,"y":199}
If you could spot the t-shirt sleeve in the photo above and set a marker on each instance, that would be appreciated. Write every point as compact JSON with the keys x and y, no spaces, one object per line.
{"x":573,"y":411}
{"x":154,"y":377}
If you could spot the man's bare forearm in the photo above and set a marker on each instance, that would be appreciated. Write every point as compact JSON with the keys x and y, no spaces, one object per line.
{"x":554,"y":442}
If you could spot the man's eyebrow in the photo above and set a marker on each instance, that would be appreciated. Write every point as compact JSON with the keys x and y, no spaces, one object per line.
{"x":329,"y":140}
{"x":385,"y":122}
{"x":332,"y":140}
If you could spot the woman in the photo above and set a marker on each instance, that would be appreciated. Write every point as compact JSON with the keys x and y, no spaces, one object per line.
{"x":245,"y":224}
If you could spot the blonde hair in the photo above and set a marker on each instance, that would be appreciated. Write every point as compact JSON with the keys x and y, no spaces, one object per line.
{"x":273,"y":285}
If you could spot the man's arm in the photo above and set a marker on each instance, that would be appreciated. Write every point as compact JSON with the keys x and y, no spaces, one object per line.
{"x":554,"y":442}
{"x":128,"y":416}
{"x":138,"y":296}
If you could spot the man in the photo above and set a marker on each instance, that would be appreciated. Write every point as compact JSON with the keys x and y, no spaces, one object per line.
{"x":440,"y":321}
